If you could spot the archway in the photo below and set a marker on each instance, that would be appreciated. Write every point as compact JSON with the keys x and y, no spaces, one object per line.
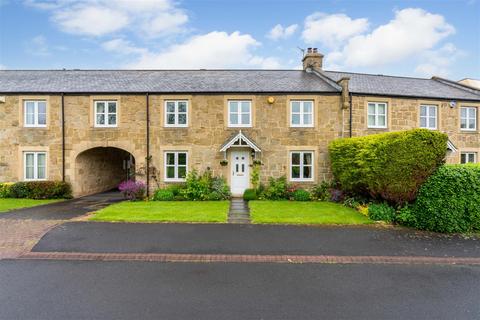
{"x":101,"y":168}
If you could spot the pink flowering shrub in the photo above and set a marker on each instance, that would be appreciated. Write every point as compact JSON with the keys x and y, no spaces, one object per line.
{"x":133,"y":190}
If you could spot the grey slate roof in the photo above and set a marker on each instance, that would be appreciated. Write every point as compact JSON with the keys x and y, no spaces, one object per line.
{"x":227,"y":81}
{"x":161,"y":81}
{"x":402,"y":86}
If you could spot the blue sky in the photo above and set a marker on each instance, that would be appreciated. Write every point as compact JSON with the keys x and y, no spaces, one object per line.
{"x":411,"y":38}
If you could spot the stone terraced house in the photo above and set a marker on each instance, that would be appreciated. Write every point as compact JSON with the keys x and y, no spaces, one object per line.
{"x":94,"y":127}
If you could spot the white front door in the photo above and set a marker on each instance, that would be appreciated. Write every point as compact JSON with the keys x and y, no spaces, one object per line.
{"x":240,"y":172}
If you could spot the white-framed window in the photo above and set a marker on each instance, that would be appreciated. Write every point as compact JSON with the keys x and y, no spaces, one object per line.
{"x":239,"y":113}
{"x":301,"y":113}
{"x":176,"y":164}
{"x":377,"y":115}
{"x":34,"y":165}
{"x":428,"y":117}
{"x":176,"y":113}
{"x":468,"y":118}
{"x":106,"y":113}
{"x":301,"y":166}
{"x":35,"y":113}
{"x":468,"y":157}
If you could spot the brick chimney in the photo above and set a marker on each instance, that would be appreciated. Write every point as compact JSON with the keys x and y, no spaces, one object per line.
{"x":312,"y":59}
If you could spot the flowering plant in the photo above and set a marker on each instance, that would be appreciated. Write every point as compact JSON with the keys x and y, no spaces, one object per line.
{"x":133,"y":190}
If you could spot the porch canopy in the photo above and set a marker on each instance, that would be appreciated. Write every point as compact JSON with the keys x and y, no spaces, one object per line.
{"x":239,"y":140}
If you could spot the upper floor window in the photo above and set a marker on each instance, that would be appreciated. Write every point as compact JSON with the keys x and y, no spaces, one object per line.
{"x":301,"y":113}
{"x":468,"y":157}
{"x":35,"y":113}
{"x":428,"y":117}
{"x":239,"y":113}
{"x":377,"y":115}
{"x":301,"y":166}
{"x":176,"y":163}
{"x":106,"y":113}
{"x":176,"y":113}
{"x":468,"y":118}
{"x":34,"y":165}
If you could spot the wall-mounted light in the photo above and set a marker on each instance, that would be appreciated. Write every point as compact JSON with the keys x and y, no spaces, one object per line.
{"x":270,"y":100}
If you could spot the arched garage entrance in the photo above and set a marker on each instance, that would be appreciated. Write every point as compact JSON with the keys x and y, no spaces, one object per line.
{"x":101,"y":168}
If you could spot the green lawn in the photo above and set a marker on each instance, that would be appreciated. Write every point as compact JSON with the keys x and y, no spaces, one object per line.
{"x":166,"y":211}
{"x":7,"y":204}
{"x":304,"y":213}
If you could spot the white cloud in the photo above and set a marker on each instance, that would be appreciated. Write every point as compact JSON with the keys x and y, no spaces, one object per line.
{"x":410,"y":33}
{"x":438,"y":62}
{"x":152,"y":18}
{"x":122,"y":47}
{"x":213,"y":50}
{"x":38,"y":46}
{"x":332,"y":30}
{"x":3,"y":67}
{"x":279,"y":32}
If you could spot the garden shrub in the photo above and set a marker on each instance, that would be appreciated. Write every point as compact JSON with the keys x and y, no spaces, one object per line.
{"x":390,"y":166}
{"x":381,"y":212}
{"x":176,"y":188}
{"x":405,"y":216}
{"x":250,"y":194}
{"x":449,"y":201}
{"x":133,"y":190}
{"x":321,"y":191}
{"x":204,"y":187}
{"x":163,"y":195}
{"x":5,"y":189}
{"x":40,"y":190}
{"x":215,"y":196}
{"x":301,"y":195}
{"x":276,"y":189}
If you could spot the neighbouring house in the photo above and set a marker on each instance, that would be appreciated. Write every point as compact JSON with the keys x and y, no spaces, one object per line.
{"x":94,"y":128}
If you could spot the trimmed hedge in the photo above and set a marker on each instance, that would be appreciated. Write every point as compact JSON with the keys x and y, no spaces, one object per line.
{"x":250,"y":194}
{"x":449,"y":201}
{"x":390,"y":166}
{"x":36,"y":190}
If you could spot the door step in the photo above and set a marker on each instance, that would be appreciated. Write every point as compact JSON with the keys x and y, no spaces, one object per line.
{"x":239,"y":211}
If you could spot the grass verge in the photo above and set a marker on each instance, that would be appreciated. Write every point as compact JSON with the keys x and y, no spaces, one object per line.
{"x":7,"y":204}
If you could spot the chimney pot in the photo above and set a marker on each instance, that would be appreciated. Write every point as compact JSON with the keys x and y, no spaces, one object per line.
{"x":315,"y":50}
{"x":312,"y":59}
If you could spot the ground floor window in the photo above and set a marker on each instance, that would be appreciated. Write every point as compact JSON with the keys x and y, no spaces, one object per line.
{"x":176,"y":165}
{"x":35,"y":165}
{"x":468,"y":157}
{"x":301,"y":166}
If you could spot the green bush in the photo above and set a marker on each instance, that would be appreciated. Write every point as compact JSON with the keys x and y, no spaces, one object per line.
{"x":163,"y":195}
{"x":214,"y":196}
{"x":276,"y":189}
{"x":250,"y":194}
{"x":406,"y":216}
{"x":390,"y":166}
{"x":201,"y":187}
{"x":301,"y":195}
{"x":321,"y":191}
{"x":176,"y":188}
{"x":450,"y":200}
{"x":6,"y":189}
{"x":41,"y":190}
{"x":381,"y":212}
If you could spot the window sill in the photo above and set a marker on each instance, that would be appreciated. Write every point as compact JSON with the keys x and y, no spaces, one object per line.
{"x":468,"y":131}
{"x":302,"y":180}
{"x":173,"y":180}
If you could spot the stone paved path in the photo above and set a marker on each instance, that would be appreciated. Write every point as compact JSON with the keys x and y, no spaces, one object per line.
{"x":239,"y":211}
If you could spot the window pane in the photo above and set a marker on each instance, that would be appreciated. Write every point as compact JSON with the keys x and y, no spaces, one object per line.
{"x":433,"y":111}
{"x":29,"y":159}
{"x":171,"y":118}
{"x":423,"y":111}
{"x":381,"y":109}
{"x":246,"y":118}
{"x":381,"y":121}
{"x":471,"y":112}
{"x":296,"y":106}
{"x":42,"y":107}
{"x":171,"y":172}
{"x":307,"y":158}
{"x":112,"y":107}
{"x":295,"y":172}
{"x":471,"y":123}
{"x":182,"y":106}
{"x":100,"y":119}
{"x":30,"y":118}
{"x":171,"y":158}
{"x":296,"y":158}
{"x":307,"y":172}
{"x":371,"y":120}
{"x":463,"y":124}
{"x":41,"y":160}
{"x":42,"y":118}
{"x":245,"y":106}
{"x":29,"y":173}
{"x":233,"y":118}
{"x":30,"y":105}
{"x":41,"y":173}
{"x":182,"y":118}
{"x":100,"y":107}
{"x":182,"y":158}
{"x":371,"y":108}
{"x":432,"y":122}
{"x":30,"y":112}
{"x":295,"y":118}
{"x":233,"y":106}
{"x":471,"y":157}
{"x":463,"y":112}
{"x":182,"y":172}
{"x":170,"y":106}
{"x":463,"y":158}
{"x":423,"y":122}
{"x":307,"y":106}
{"x":112,"y":119}
{"x":307,"y":119}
